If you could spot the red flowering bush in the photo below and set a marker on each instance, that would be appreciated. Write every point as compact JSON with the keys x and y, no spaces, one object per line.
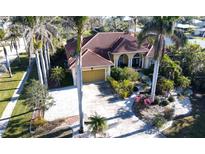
{"x":143,"y":100}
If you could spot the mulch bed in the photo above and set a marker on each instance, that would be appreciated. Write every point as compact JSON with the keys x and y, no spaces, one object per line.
{"x":57,"y":128}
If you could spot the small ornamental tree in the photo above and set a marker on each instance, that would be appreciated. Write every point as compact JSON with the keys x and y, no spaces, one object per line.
{"x":97,"y":125}
{"x":37,"y":97}
{"x":57,"y":75}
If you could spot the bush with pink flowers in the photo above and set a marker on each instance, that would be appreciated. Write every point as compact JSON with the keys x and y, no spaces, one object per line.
{"x":143,"y":101}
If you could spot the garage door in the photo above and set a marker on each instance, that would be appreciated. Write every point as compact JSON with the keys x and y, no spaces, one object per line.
{"x":93,"y":75}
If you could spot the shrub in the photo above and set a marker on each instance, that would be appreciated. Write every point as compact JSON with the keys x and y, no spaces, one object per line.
{"x":143,"y":100}
{"x":123,"y":88}
{"x":168,"y":113}
{"x":183,"y":82}
{"x":164,"y":102}
{"x":120,"y":74}
{"x":158,"y":121}
{"x":116,"y":73}
{"x":171,"y":99}
{"x":129,"y":74}
{"x":164,"y":85}
{"x":156,"y":100}
{"x":57,"y":74}
{"x":169,"y":68}
{"x":39,"y":122}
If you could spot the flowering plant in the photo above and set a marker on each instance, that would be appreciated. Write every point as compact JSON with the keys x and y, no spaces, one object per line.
{"x":142,"y":99}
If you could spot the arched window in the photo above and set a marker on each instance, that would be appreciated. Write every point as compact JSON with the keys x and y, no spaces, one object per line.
{"x":123,"y":61}
{"x":137,"y":61}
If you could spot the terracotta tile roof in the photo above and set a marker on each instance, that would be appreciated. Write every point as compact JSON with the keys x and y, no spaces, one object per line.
{"x":104,"y":42}
{"x":90,"y":59}
{"x":129,"y":44}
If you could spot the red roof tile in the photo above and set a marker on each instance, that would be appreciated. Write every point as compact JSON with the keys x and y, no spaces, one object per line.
{"x":103,"y":43}
{"x":90,"y":59}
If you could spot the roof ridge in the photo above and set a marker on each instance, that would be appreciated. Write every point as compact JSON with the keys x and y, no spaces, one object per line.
{"x":99,"y":34}
{"x":99,"y":56}
{"x":89,"y":40}
{"x":123,"y":40}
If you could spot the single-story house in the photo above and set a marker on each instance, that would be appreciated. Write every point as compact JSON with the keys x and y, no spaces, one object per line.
{"x":104,"y":50}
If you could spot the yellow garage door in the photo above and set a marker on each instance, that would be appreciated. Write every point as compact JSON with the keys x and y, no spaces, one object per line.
{"x":93,"y":75}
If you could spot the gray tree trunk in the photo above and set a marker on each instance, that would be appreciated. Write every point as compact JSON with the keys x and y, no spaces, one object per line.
{"x":40,"y":77}
{"x":48,"y":54}
{"x":43,"y":68}
{"x":25,"y":44}
{"x":7,"y":62}
{"x":46,"y":60}
{"x":80,"y":92}
{"x":17,"y":53}
{"x":155,"y":77}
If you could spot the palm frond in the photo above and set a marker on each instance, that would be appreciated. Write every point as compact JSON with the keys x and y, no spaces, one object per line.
{"x":179,"y":38}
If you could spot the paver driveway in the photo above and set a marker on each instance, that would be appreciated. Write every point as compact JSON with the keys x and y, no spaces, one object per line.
{"x":99,"y":98}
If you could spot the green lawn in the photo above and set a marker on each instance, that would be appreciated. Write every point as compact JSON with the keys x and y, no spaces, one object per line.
{"x":192,"y":126}
{"x":8,"y":85}
{"x":19,"y":125}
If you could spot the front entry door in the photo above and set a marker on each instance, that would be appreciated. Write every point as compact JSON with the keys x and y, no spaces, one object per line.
{"x":136,"y":62}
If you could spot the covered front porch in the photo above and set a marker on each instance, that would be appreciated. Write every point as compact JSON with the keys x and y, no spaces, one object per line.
{"x":132,"y":60}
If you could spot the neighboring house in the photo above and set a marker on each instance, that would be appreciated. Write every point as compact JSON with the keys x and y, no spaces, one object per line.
{"x":198,"y":23}
{"x":105,"y":50}
{"x":200,"y":32}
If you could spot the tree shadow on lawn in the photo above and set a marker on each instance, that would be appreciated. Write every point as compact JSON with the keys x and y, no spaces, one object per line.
{"x":192,"y":126}
{"x":9,"y":80}
{"x":18,"y":127}
{"x":8,"y":89}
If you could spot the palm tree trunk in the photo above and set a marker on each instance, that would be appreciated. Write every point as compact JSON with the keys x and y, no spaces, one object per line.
{"x":7,"y":62}
{"x":39,"y":68}
{"x":17,"y":53}
{"x":43,"y":68}
{"x":155,"y":76}
{"x":25,"y":44}
{"x":48,"y":55}
{"x":46,"y":60}
{"x":80,"y":92}
{"x":30,"y":51}
{"x":18,"y":42}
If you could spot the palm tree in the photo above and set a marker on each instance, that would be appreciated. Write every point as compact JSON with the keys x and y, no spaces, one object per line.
{"x":44,"y":30}
{"x":3,"y":44}
{"x":14,"y":36}
{"x":38,"y":46}
{"x":97,"y":125}
{"x":160,"y":28}
{"x":79,"y":22}
{"x":134,"y":21}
